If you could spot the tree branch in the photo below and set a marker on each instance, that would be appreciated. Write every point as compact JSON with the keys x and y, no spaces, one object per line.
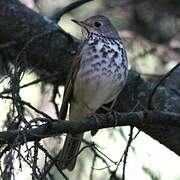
{"x":46,"y":54}
{"x":60,"y":12}
{"x":113,"y":119}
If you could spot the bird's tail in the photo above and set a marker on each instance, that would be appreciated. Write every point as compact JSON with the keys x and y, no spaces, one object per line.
{"x":70,"y":151}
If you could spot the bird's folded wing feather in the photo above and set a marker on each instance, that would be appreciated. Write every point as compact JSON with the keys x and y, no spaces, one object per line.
{"x":68,"y":89}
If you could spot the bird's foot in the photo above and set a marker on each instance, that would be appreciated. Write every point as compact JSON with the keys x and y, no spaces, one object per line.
{"x":95,"y":117}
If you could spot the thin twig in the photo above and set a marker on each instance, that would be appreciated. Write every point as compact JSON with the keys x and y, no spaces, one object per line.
{"x":53,"y":98}
{"x":60,"y":12}
{"x":129,"y":142}
{"x":93,"y":163}
{"x":25,"y":160}
{"x":104,"y":155}
{"x":51,"y":76}
{"x":47,"y":167}
{"x":149,"y":104}
{"x":98,"y":156}
{"x":7,"y":148}
{"x":28,"y":105}
{"x":55,"y":162}
{"x":15,"y":79}
{"x":126,"y":151}
{"x":35,"y":159}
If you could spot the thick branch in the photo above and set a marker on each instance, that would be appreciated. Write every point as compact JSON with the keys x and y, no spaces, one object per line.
{"x":55,"y":128}
{"x":49,"y":53}
{"x":166,"y":99}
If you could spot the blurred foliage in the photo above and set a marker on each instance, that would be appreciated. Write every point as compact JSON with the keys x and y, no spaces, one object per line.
{"x":152,"y":174}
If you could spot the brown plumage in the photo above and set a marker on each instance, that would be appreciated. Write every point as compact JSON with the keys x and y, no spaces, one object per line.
{"x":97,"y":76}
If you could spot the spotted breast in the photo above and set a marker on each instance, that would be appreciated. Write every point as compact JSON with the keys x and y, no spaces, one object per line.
{"x":102,"y":73}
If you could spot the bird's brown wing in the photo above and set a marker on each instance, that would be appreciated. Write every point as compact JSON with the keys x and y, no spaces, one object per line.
{"x":68,"y":90}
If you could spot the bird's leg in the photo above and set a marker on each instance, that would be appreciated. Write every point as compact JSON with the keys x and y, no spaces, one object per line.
{"x":108,"y":109}
{"x":88,"y":109}
{"x":91,"y":114}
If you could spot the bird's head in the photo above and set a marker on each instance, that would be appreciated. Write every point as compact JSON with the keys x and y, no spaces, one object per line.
{"x":98,"y":24}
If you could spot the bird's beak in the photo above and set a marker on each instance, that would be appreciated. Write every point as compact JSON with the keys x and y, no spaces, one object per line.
{"x":81,"y":23}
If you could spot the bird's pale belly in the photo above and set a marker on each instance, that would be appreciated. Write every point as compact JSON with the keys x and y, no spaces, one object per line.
{"x":98,"y":86}
{"x":102,"y":74}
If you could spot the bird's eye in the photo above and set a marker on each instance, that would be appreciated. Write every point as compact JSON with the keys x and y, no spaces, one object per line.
{"x":97,"y":24}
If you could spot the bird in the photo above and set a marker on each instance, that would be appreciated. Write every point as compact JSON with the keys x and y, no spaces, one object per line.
{"x":97,"y":76}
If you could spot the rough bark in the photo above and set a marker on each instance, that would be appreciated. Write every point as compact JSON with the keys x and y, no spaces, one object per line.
{"x":112,"y":119}
{"x":47,"y":52}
